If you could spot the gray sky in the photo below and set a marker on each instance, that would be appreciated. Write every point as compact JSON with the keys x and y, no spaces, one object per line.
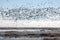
{"x":29,"y":3}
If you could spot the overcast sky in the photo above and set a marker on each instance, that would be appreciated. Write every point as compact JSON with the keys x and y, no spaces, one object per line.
{"x":29,"y":3}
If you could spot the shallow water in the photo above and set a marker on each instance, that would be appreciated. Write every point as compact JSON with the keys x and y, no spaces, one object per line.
{"x":1,"y":38}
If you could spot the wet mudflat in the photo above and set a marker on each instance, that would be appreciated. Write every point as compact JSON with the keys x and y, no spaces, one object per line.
{"x":30,"y":34}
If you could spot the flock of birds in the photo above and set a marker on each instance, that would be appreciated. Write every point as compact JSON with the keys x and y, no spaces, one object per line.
{"x":23,"y":13}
